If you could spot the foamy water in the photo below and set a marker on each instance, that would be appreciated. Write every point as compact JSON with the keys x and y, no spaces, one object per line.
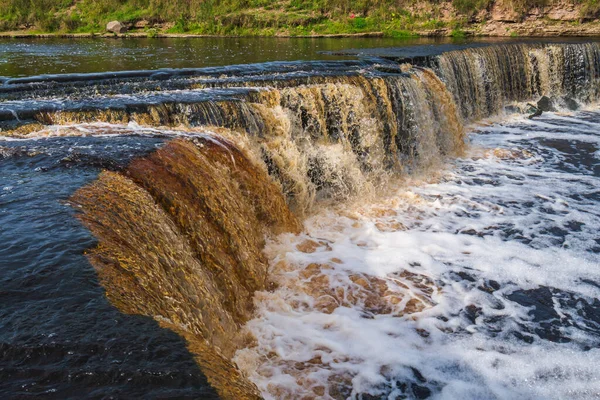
{"x":481,"y":285}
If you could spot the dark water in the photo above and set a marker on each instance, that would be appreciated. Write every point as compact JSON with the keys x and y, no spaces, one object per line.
{"x":53,"y":56}
{"x":25,"y":57}
{"x":59,"y":336}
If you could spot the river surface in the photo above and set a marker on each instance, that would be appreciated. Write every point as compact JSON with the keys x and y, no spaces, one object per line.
{"x":21,"y":57}
{"x":499,"y":249}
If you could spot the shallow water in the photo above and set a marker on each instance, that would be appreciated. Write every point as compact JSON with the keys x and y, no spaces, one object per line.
{"x":507,"y":242}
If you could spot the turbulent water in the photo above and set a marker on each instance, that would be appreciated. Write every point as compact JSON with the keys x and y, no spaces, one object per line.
{"x":431,"y":262}
{"x":481,"y":284}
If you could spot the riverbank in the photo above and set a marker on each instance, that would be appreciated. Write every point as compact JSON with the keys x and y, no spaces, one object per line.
{"x":488,"y":29}
{"x":295,"y":18}
{"x":133,"y":35}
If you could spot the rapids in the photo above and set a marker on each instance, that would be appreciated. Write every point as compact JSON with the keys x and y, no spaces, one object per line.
{"x":480,"y":283}
{"x":327,"y":229}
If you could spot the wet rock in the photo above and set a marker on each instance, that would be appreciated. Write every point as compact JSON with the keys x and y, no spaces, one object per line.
{"x":308,"y":246}
{"x":536,"y":113}
{"x":471,"y":232}
{"x":525,"y":338}
{"x":545,"y":104}
{"x":367,"y":396}
{"x":116,"y":27}
{"x":421,"y":392}
{"x":418,"y":375}
{"x":472,"y":312}
{"x":570,"y":103}
{"x":490,"y":286}
{"x":423,"y":333}
{"x":464,"y":276}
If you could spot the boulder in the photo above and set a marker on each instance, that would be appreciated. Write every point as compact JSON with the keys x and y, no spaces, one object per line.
{"x":116,"y":27}
{"x":534,"y":111}
{"x":570,"y":104}
{"x":535,"y":114}
{"x":545,"y":104}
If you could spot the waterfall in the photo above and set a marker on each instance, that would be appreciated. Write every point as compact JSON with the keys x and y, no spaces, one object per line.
{"x":181,"y":236}
{"x":181,"y":231}
{"x":484,"y":80}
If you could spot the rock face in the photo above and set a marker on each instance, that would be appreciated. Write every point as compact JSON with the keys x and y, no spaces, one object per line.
{"x":503,"y":11}
{"x":116,"y":27}
{"x":141,"y":24}
{"x":508,"y":18}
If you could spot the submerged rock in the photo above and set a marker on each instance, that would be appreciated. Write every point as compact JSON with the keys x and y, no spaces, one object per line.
{"x":116,"y":27}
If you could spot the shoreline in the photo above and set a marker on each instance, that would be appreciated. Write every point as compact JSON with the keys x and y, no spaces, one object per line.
{"x":491,"y":29}
{"x":144,"y":35}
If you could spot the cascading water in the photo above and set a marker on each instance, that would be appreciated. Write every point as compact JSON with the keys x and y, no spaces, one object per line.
{"x":182,"y":230}
{"x":186,"y":248}
{"x":484,"y":80}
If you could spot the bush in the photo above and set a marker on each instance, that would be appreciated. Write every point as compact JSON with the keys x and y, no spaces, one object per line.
{"x":458,"y":33}
{"x":152,"y":33}
{"x":358,"y":23}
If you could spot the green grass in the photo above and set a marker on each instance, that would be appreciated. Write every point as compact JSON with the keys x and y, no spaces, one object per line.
{"x":458,"y":33}
{"x":252,"y":17}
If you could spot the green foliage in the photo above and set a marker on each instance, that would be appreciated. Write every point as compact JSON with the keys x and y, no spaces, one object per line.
{"x":152,"y":32}
{"x":401,"y":34}
{"x":253,"y":17}
{"x":181,"y":25}
{"x":358,"y":23}
{"x":458,"y":33}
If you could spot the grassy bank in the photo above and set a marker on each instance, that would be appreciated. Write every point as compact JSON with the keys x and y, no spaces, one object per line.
{"x":394,"y":18}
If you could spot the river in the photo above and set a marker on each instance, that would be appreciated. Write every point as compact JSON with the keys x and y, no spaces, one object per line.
{"x":338,"y":227}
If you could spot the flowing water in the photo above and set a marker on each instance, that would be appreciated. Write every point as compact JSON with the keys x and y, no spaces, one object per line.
{"x":385,"y":227}
{"x":480,"y":283}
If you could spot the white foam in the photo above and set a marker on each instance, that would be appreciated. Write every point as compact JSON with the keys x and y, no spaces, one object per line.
{"x":105,"y":129}
{"x":519,"y":216}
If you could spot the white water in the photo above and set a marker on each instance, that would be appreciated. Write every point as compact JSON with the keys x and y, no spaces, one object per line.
{"x":520,"y":212}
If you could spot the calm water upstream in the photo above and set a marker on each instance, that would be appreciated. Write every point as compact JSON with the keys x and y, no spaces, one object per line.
{"x":440,"y":257}
{"x":61,"y":56}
